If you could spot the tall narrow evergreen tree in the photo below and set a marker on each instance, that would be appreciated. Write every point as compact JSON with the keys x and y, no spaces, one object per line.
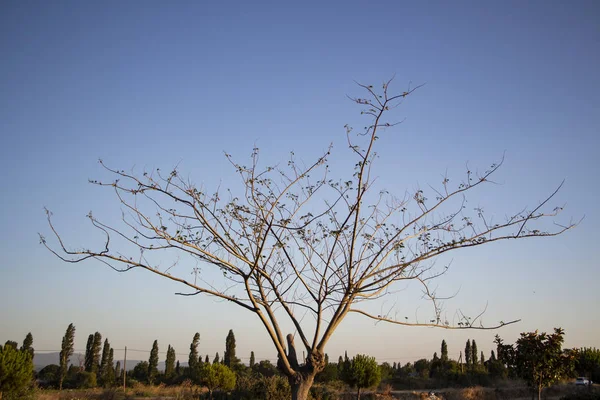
{"x":252,"y":359}
{"x":444,"y":352}
{"x":170,"y":363}
{"x":474,"y":353}
{"x":229,"y":358}
{"x":96,"y":347}
{"x":207,"y":360}
{"x":493,"y":356}
{"x":66,"y":352}
{"x":177,"y":369}
{"x":108,"y":375}
{"x":482,"y":358}
{"x":118,"y":371}
{"x":216,"y":360}
{"x":193,"y":358}
{"x":89,"y":358}
{"x":104,"y":361}
{"x":27,"y":344}
{"x":326,"y":359}
{"x":468,"y":356}
{"x":153,"y":363}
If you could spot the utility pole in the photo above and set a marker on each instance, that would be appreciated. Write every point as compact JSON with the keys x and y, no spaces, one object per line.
{"x":125,"y":370}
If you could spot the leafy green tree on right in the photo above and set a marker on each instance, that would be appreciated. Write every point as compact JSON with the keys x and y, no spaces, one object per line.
{"x":363,"y":372}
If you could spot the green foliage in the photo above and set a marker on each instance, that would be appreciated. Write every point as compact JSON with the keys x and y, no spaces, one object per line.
{"x":49,"y":375}
{"x":140,"y":372}
{"x":153,"y":363}
{"x":468,"y":356}
{"x":16,"y":370}
{"x":27,"y":344}
{"x":88,"y":359}
{"x":444,"y":351}
{"x":474,"y":355}
{"x":11,"y":343}
{"x":118,"y":372}
{"x":85,"y":380}
{"x":539,"y":358}
{"x":422,"y":367}
{"x":66,"y":351}
{"x":252,"y":359}
{"x":363,"y":372}
{"x":229,"y":358}
{"x":587,"y":363}
{"x":193,"y":357}
{"x":170,"y":363}
{"x":217,"y":376}
{"x":92,"y":352}
{"x":329,"y":374}
{"x":265,"y":368}
{"x":216,"y":360}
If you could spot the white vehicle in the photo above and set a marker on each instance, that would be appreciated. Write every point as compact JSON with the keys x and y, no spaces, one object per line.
{"x":582,"y":381}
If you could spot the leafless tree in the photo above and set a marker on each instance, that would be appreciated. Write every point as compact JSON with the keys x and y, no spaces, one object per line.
{"x":294,"y":242}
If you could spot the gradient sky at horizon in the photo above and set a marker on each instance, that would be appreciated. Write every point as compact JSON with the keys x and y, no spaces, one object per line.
{"x":154,"y":84}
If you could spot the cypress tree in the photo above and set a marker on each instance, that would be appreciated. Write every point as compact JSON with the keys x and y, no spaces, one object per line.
{"x":193,"y":358}
{"x":153,"y":363}
{"x":88,"y":360}
{"x":482,"y":359}
{"x":444,"y":352}
{"x":229,"y":358}
{"x":66,"y":352}
{"x":216,"y":360}
{"x":96,"y":346}
{"x":326,"y":359}
{"x":27,"y":343}
{"x":474,"y":352}
{"x":108,"y":377}
{"x":493,"y":356}
{"x":435,"y":356}
{"x":177,"y":369}
{"x":468,"y":356}
{"x":252,"y":360}
{"x":170,"y":362}
{"x":118,"y":371}
{"x":104,"y":361}
{"x":207,"y":360}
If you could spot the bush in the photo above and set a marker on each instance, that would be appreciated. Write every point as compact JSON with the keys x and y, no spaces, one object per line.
{"x":16,"y":372}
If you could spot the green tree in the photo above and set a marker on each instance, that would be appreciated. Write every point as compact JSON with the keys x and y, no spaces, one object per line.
{"x":16,"y":371}
{"x":140,"y":371}
{"x":363,"y":373}
{"x":217,"y":376}
{"x":66,"y":352}
{"x":216,"y":359}
{"x":11,"y":343}
{"x":474,"y":353}
{"x":27,"y":344}
{"x":170,"y":363}
{"x":444,"y":352}
{"x":207,"y":360}
{"x":108,"y":377}
{"x":193,"y":357}
{"x":540,"y":360}
{"x":422,"y":367}
{"x":323,"y":234}
{"x":468,"y":356}
{"x":587,"y":363}
{"x":153,"y":363}
{"x":482,"y":358}
{"x":252,"y":360}
{"x":89,"y":357}
{"x":177,"y":369}
{"x":118,"y":371}
{"x":92,"y":362}
{"x":49,"y":375}
{"x":104,"y":363}
{"x":229,"y":358}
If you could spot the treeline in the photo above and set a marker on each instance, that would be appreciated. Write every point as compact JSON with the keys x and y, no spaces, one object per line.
{"x":533,"y":352}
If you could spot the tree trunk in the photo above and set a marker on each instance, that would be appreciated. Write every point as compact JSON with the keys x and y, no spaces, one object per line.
{"x":358,"y":394}
{"x":301,"y":388}
{"x":540,"y":392}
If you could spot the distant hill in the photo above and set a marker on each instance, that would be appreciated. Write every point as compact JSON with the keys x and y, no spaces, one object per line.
{"x":40,"y":360}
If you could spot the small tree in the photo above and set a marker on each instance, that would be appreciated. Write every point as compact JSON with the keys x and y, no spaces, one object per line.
{"x":474,"y":354}
{"x":362,"y":373}
{"x":16,"y":371}
{"x":88,"y":359}
{"x":193,"y":357}
{"x":252,"y":360}
{"x":444,"y":352}
{"x":118,"y":371}
{"x":216,"y":360}
{"x":27,"y":344}
{"x":170,"y":363}
{"x":217,"y":376}
{"x":540,"y":360}
{"x":229,"y":358}
{"x":108,"y":377}
{"x":66,"y":352}
{"x":153,"y":363}
{"x":468,"y":356}
{"x":104,"y":365}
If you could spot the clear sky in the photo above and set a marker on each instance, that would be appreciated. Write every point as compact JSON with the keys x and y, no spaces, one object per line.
{"x":153,"y":84}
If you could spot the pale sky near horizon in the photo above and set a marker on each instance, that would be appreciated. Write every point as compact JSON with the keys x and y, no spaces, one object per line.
{"x":155,"y":84}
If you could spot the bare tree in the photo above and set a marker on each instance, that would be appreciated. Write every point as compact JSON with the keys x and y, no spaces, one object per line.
{"x":294,"y":242}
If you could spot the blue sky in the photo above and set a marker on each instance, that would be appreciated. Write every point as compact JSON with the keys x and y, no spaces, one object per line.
{"x":153,"y":84}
